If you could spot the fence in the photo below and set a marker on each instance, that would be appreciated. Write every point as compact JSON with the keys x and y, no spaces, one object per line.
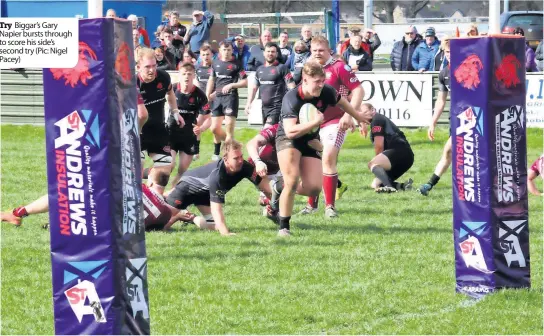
{"x":21,"y":96}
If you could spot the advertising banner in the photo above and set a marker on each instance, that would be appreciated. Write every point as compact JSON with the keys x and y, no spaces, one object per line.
{"x":98,"y":252}
{"x":406,"y":99}
{"x":535,"y":103}
{"x":489,"y":164}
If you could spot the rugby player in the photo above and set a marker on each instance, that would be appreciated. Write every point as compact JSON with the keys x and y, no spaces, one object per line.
{"x":534,"y":171}
{"x":155,"y":87}
{"x":227,"y":77}
{"x":443,"y":90}
{"x":296,"y":157}
{"x":158,"y":215}
{"x":203,"y":71}
{"x":262,"y":154}
{"x":335,"y":124}
{"x":394,"y":155}
{"x":206,"y":186}
{"x":273,"y":79}
{"x":191,"y":103}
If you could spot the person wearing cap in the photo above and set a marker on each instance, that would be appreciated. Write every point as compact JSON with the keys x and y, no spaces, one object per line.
{"x":530,"y":64}
{"x":401,"y":55}
{"x":371,"y":42}
{"x":352,"y":31}
{"x":179,"y":31}
{"x":240,"y":50}
{"x":423,"y":57}
{"x":144,"y":37}
{"x":199,"y":30}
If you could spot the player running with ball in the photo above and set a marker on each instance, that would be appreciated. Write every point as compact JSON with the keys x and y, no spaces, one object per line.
{"x":297,"y":159}
{"x":335,"y":124}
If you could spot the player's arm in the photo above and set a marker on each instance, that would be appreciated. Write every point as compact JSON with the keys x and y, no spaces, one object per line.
{"x":203,"y":121}
{"x":210,"y":86}
{"x":253,"y":152}
{"x":288,"y":77}
{"x":346,"y":106}
{"x":378,"y":144}
{"x":531,"y":176}
{"x":240,"y":84}
{"x":438,"y":109}
{"x":143,"y":115}
{"x":294,"y":130}
{"x":252,"y":87}
{"x":219,"y":218}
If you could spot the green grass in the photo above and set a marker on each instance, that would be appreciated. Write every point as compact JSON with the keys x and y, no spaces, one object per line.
{"x":386,"y":266}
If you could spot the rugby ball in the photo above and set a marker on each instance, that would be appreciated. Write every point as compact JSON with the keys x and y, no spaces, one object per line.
{"x":307,"y":114}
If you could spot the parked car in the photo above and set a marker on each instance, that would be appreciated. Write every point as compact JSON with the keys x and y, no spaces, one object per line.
{"x":529,"y":21}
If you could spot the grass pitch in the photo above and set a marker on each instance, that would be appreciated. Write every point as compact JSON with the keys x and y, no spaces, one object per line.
{"x":385,"y":266}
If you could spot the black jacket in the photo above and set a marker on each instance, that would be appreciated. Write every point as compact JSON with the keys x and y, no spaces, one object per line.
{"x":401,"y":55}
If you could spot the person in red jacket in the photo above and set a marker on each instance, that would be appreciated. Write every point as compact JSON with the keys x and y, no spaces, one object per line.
{"x":144,"y":37}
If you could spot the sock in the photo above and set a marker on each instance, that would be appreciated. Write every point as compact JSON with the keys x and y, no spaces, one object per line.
{"x":197,"y":147}
{"x":284,"y":222}
{"x":217,"y":148}
{"x":339,"y":184}
{"x":434,"y":180}
{"x":312,"y":202}
{"x":330,"y":181}
{"x":20,"y":212}
{"x":398,"y":186}
{"x":381,"y":174}
{"x":277,"y":188}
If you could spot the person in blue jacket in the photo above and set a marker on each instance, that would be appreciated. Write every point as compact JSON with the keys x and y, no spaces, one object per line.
{"x":240,"y":50}
{"x":423,"y":57}
{"x":199,"y":32}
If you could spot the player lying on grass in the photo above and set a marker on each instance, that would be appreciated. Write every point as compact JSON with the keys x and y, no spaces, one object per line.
{"x":394,"y":155}
{"x":262,"y":154}
{"x":158,"y":214}
{"x":206,"y":186}
{"x":534,"y":171}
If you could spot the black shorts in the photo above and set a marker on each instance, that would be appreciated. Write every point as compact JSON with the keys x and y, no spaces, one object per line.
{"x":271,"y":115}
{"x":155,"y":141}
{"x":282,"y":142}
{"x":401,"y":160}
{"x":225,"y":106}
{"x":181,"y":142}
{"x":182,"y":196}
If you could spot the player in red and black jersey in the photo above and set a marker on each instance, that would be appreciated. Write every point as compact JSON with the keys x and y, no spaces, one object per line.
{"x":296,"y":158}
{"x":394,"y":155}
{"x":273,"y":80}
{"x":156,"y":88}
{"x":191,"y":103}
{"x":158,"y":215}
{"x":536,"y":169}
{"x":227,"y":77}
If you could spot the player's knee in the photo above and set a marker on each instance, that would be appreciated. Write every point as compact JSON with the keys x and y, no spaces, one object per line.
{"x":290,"y":183}
{"x":161,"y":160}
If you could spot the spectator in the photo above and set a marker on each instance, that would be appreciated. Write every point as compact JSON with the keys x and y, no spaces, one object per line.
{"x":136,"y":38}
{"x":162,"y":62}
{"x":539,"y":57}
{"x":423,"y":57}
{"x":157,"y":42}
{"x":240,"y":50}
{"x":401,"y":55}
{"x":371,"y":42}
{"x":189,"y":57}
{"x":144,"y":37}
{"x":440,"y":61}
{"x":178,"y":30}
{"x":285,"y":48}
{"x":338,"y":49}
{"x":353,"y":30}
{"x":355,"y":56}
{"x":473,"y":30}
{"x":171,"y":52}
{"x":256,"y":58}
{"x":111,"y":13}
{"x":530,"y":64}
{"x":199,"y":30}
{"x":306,"y":36}
{"x":298,"y":58}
